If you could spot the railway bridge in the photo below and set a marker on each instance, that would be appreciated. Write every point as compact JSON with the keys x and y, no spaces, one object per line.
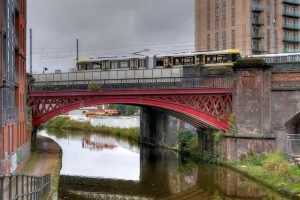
{"x":264,"y":103}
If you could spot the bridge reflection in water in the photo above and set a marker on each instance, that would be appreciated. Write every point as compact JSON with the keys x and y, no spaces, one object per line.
{"x":162,"y":175}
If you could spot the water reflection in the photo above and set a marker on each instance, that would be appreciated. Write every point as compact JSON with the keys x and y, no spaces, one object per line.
{"x":97,"y":156}
{"x":131,"y":172}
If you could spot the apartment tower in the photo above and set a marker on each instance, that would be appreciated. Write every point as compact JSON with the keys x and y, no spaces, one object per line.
{"x":252,"y":26}
{"x":14,"y":139}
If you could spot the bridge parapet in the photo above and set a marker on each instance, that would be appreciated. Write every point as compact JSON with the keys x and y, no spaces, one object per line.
{"x":209,"y":81}
{"x":286,"y":80}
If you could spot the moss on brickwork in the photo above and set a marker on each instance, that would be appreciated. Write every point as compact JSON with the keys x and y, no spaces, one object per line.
{"x":251,"y":63}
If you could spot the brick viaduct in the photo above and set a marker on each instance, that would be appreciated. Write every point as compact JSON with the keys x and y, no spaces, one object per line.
{"x":266,"y":105}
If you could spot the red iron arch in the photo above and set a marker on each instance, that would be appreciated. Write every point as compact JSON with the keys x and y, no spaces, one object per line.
{"x":210,"y":108}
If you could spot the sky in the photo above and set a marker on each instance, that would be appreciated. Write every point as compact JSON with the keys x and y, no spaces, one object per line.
{"x":106,"y":28}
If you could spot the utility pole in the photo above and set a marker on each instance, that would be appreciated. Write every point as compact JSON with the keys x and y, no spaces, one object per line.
{"x":77,"y":50}
{"x":30,"y":51}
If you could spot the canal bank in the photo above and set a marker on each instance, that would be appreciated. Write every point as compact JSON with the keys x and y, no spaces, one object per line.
{"x":46,"y":160}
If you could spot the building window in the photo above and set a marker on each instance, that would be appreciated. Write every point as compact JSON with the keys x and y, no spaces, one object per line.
{"x":268,"y":12}
{"x":268,"y":40}
{"x":276,"y":41}
{"x":223,"y":13}
{"x":217,"y":14}
{"x":208,"y":42}
{"x":275,"y":13}
{"x":224,"y":40}
{"x":232,"y":12}
{"x":217,"y":41}
{"x":208,"y":15}
{"x":233,"y":39}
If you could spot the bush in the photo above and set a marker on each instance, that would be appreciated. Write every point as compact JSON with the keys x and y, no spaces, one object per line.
{"x":188,"y":143}
{"x":251,"y":62}
{"x":94,"y":86}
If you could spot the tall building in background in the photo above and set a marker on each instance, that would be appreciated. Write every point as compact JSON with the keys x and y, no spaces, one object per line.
{"x":252,"y":26}
{"x":14,"y":139}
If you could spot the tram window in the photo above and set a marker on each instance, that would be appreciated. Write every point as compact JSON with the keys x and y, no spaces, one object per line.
{"x":221,"y":58}
{"x":200,"y":60}
{"x":114,"y":64}
{"x":168,"y":61}
{"x":124,"y":64}
{"x":133,"y":63}
{"x":89,"y":66}
{"x":81,"y":66}
{"x":209,"y":59}
{"x":188,"y":61}
{"x":96,"y":66}
{"x":229,"y":58}
{"x":235,"y":57}
{"x":159,"y":62}
{"x":142,"y":63}
{"x":106,"y":65}
{"x":178,"y":60}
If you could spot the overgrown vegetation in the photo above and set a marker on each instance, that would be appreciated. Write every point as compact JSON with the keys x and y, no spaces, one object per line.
{"x":125,"y":109}
{"x":213,"y":147}
{"x":66,"y":123}
{"x":94,"y":86}
{"x":273,"y":169}
{"x":188,"y":143}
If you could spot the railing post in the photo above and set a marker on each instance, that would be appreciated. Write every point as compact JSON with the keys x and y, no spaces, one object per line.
{"x":27,"y":186}
{"x":10,"y":187}
{"x":1,"y":187}
{"x":17,"y":185}
{"x":22,"y":189}
{"x":31,"y":186}
{"x":49,"y":182}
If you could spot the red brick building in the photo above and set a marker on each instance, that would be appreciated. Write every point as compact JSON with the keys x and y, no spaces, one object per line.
{"x":14,"y":138}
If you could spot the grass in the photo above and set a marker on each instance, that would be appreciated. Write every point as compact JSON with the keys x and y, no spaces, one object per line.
{"x":273,"y":169}
{"x":33,"y":159}
{"x":55,"y":178}
{"x":66,"y":123}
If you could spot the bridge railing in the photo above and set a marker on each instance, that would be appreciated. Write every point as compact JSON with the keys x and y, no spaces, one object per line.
{"x":212,"y":81}
{"x":112,"y":74}
{"x":24,"y":187}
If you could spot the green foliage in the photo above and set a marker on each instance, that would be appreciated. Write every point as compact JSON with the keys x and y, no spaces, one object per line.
{"x":188,"y":143}
{"x":218,"y":135}
{"x":232,"y":126}
{"x":210,"y":157}
{"x":66,"y":123}
{"x":125,"y":109}
{"x":214,"y":148}
{"x":94,"y":86}
{"x":251,"y":62}
{"x":273,"y":169}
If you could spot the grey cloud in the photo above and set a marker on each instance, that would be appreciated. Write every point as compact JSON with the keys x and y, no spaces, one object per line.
{"x":105,"y":27}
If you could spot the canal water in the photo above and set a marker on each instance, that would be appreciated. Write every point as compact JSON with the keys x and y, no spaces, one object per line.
{"x":96,"y":166}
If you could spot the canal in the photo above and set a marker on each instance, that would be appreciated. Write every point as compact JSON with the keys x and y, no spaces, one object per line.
{"x":96,"y":166}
